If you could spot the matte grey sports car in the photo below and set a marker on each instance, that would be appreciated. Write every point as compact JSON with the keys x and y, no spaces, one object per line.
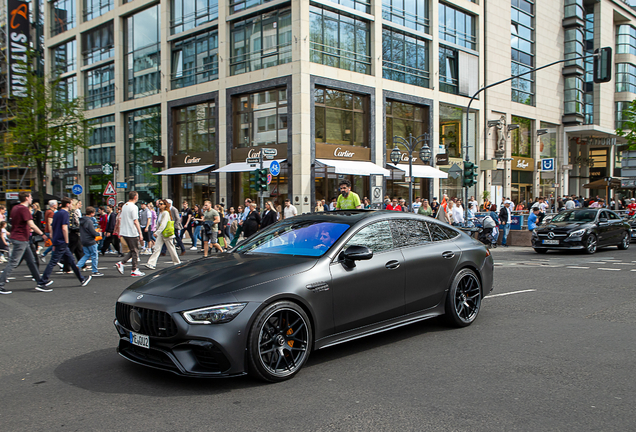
{"x":299,"y":285}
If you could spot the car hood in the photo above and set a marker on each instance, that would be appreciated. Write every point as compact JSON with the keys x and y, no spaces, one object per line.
{"x":565,"y":226}
{"x":220,"y":274}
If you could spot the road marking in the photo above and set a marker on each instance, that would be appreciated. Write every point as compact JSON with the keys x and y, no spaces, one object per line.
{"x":596,"y":262}
{"x":622,"y":263}
{"x":509,"y":293}
{"x":633,"y":269}
{"x":577,"y":267}
{"x":609,"y":269}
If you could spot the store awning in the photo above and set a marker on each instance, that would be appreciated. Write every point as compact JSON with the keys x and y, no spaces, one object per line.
{"x":185,"y":170}
{"x":245,"y":167}
{"x":353,"y":167}
{"x":615,"y":183}
{"x":421,"y":171}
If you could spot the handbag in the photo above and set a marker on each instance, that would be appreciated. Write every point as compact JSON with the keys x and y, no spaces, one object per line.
{"x":168,"y":231}
{"x":98,"y":238}
{"x":222,"y":242}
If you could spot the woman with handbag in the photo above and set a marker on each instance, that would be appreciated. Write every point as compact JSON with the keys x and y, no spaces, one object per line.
{"x":164,"y":234}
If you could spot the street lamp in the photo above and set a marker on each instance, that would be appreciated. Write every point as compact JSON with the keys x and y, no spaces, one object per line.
{"x":411,"y":143}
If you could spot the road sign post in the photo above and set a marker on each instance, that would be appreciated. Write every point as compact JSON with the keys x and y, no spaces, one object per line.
{"x":77,"y":189}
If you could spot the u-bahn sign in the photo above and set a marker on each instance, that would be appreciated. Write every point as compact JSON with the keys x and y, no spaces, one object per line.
{"x":18,"y":30}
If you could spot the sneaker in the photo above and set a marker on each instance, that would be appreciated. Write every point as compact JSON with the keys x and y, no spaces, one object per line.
{"x":120,"y":267}
{"x":4,"y":291}
{"x":137,"y":273}
{"x":194,"y":248}
{"x":60,"y":265}
{"x":43,"y":258}
{"x":151,"y":267}
{"x":86,"y":280}
{"x":98,"y":274}
{"x":43,"y":286}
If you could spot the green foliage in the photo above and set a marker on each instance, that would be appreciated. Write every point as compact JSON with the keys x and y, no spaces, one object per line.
{"x":627,"y":127}
{"x":44,"y":126}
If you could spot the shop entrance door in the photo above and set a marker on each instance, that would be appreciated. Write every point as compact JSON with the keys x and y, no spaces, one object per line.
{"x":521,"y":193}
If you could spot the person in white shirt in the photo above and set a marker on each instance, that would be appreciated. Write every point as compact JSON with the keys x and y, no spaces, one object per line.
{"x":569,"y":204}
{"x":289,"y":210}
{"x":130,"y":231}
{"x":458,"y":214}
{"x":473,"y":205}
{"x":416,"y":205}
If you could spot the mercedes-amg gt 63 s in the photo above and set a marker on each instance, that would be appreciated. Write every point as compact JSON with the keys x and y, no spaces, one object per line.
{"x":586,"y":229}
{"x":302,"y":284}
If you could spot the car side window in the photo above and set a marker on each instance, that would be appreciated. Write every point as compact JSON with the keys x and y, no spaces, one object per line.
{"x":376,"y":237}
{"x":602,"y":214}
{"x":612,"y":215}
{"x":409,"y":232}
{"x":436,"y":232}
{"x":450,"y":233}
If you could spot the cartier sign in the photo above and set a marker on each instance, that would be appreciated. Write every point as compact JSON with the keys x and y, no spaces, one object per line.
{"x":193,"y":158}
{"x":347,"y":152}
{"x":240,"y":154}
{"x":338,"y":152}
{"x":190,"y":160}
{"x":522,"y":163}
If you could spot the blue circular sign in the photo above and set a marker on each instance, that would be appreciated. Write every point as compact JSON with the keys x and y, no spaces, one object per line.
{"x":77,"y":189}
{"x":274,"y":168}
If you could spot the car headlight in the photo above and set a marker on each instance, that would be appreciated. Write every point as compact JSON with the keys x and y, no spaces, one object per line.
{"x":214,"y":314}
{"x":578,"y":233}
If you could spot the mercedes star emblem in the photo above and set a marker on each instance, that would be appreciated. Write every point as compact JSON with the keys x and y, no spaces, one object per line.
{"x":140,"y":296}
{"x":135,"y":320}
{"x":551,"y":235}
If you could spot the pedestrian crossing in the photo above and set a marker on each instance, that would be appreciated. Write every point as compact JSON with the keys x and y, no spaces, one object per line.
{"x":609,"y":264}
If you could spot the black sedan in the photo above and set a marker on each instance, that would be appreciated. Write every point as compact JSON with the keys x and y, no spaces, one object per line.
{"x":302,"y":284}
{"x":586,"y":229}
{"x":631,"y":220}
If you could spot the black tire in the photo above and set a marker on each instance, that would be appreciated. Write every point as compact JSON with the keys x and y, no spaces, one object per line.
{"x":591,"y":244}
{"x":540,"y":251}
{"x":279,"y":343}
{"x":463,"y":300}
{"x":624,"y":244}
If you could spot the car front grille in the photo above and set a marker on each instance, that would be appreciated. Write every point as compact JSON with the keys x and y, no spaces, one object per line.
{"x":211,"y":358}
{"x":153,"y":323}
{"x":556,"y":235}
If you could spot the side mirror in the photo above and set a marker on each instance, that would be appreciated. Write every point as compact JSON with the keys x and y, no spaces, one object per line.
{"x":355,"y":253}
{"x":602,"y":220}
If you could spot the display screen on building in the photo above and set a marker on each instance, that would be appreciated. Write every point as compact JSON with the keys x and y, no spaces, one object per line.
{"x":19,"y":34}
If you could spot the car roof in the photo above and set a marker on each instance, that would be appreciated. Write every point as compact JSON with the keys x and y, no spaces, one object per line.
{"x":352,"y":217}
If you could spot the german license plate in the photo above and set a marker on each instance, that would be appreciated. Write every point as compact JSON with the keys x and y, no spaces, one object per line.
{"x":550,"y":242}
{"x":139,"y":340}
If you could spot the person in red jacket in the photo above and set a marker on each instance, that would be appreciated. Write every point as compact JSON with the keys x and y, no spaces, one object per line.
{"x":632,"y":207}
{"x":393,"y":205}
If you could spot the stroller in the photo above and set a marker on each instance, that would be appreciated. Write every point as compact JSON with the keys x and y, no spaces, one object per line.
{"x":488,"y":225}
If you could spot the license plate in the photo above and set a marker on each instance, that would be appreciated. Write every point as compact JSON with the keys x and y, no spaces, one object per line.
{"x":550,"y":242}
{"x":139,"y":340}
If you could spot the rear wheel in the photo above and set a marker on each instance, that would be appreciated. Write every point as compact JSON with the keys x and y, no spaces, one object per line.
{"x":463,"y":300}
{"x":280,"y":342}
{"x":624,"y":244}
{"x":540,"y":251}
{"x":591,"y":244}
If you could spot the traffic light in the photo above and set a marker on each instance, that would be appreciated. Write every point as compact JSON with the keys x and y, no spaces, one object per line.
{"x":254,"y":179}
{"x":261,"y":180}
{"x":470,"y":175}
{"x":603,"y":65}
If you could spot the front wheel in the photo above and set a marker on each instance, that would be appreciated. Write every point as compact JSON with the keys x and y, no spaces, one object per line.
{"x":591,"y":244}
{"x":463,"y":300}
{"x":624,"y":244}
{"x":280,"y":342}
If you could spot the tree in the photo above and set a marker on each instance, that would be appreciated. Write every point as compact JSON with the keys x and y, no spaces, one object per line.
{"x":47,"y":123}
{"x":627,"y":127}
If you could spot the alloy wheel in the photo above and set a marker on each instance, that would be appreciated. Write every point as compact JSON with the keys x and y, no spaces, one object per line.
{"x":590,"y":245}
{"x":624,"y":244}
{"x":283,"y":342}
{"x":467,"y":299}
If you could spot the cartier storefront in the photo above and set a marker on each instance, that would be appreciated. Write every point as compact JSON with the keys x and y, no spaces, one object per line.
{"x":191,"y":178}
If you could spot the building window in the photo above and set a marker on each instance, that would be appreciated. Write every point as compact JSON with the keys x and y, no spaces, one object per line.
{"x":100,"y":87}
{"x":448,"y":70}
{"x":573,"y":95}
{"x":626,"y":39}
{"x":260,"y":118}
{"x":410,"y":14}
{"x":341,"y":117}
{"x":457,"y":27}
{"x":548,"y":141}
{"x":574,"y":9}
{"x":66,"y":90}
{"x":521,"y":138}
{"x":359,"y":5}
{"x":261,"y":42}
{"x":62,"y":16}
{"x":339,"y":40}
{"x":143,"y":133}
{"x":574,"y":46}
{"x":241,"y":5}
{"x":403,"y":119}
{"x":188,"y":14}
{"x":451,"y":128}
{"x":522,"y":45}
{"x":620,"y":116}
{"x":64,"y":58}
{"x":95,"y":8}
{"x":195,"y":60}
{"x":143,"y":59}
{"x":98,"y":44}
{"x":404,"y":58}
{"x":625,"y":77}
{"x":588,"y":85}
{"x":101,"y":141}
{"x":195,"y":129}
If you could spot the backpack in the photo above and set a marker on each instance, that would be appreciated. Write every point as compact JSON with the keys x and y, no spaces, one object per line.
{"x":73,"y":224}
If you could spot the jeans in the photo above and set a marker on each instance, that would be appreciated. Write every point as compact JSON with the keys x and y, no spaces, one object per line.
{"x":506,"y":231}
{"x":20,"y":249}
{"x":90,"y":252}
{"x":197,"y":230}
{"x":133,"y":248}
{"x":47,"y":250}
{"x":61,"y":253}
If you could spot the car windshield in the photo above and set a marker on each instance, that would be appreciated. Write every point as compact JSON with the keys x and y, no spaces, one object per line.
{"x":303,"y":238}
{"x":576,"y":216}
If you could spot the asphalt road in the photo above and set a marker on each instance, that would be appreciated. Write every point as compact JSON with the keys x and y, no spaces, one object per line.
{"x":552,"y":350}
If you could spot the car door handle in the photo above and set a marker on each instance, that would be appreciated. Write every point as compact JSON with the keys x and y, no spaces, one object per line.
{"x":448,"y":254}
{"x":392,"y":265}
